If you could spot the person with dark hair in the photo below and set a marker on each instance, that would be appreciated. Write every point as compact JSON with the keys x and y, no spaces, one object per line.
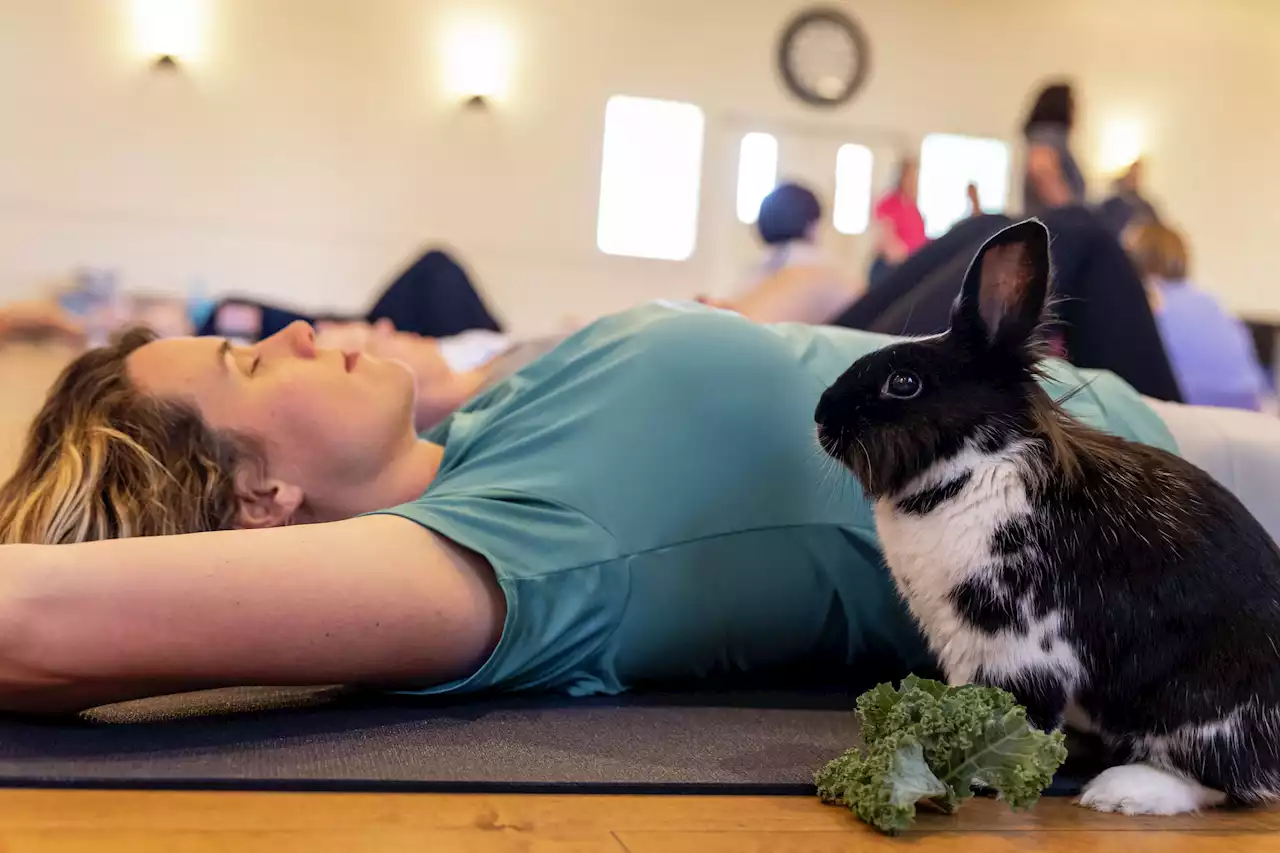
{"x":899,"y":227}
{"x":795,"y":282}
{"x":1052,"y":178}
{"x":789,"y":215}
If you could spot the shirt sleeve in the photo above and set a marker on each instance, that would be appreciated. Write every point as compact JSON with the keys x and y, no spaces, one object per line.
{"x":565,"y":593}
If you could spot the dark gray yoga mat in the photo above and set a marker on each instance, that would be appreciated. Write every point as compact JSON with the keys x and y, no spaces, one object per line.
{"x":288,"y":739}
{"x":330,"y":739}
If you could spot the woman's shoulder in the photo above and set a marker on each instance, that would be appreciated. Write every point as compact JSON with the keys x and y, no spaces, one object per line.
{"x":600,"y":373}
{"x":1185,"y":296}
{"x":664,"y":330}
{"x":631,"y":427}
{"x":1191,"y":319}
{"x":654,"y":368}
{"x":605,"y":345}
{"x":692,"y":338}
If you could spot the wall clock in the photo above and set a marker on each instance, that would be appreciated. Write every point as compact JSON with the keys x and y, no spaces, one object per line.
{"x":823,"y":57}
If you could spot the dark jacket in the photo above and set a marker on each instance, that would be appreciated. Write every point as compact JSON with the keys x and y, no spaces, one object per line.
{"x":1102,"y":313}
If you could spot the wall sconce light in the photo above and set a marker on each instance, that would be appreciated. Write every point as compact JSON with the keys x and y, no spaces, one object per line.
{"x":169,"y":32}
{"x":1121,"y":145}
{"x":477,"y":62}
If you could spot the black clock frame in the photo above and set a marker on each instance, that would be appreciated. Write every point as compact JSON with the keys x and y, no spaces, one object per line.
{"x":862,"y":51}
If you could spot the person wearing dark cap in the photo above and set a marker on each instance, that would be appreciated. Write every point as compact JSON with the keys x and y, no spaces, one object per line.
{"x":795,"y":282}
{"x":788,"y":224}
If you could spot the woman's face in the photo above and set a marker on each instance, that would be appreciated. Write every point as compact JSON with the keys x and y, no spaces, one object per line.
{"x":328,"y":421}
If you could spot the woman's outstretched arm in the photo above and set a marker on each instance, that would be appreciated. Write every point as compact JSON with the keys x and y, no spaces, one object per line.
{"x":374,"y":600}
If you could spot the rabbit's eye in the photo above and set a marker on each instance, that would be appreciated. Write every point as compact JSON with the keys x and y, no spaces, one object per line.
{"x":901,"y":385}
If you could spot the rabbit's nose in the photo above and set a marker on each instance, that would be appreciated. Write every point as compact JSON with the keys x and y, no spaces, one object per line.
{"x":823,"y":410}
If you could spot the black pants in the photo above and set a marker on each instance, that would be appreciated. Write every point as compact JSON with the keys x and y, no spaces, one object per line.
{"x":434,"y":298}
{"x":879,"y":272}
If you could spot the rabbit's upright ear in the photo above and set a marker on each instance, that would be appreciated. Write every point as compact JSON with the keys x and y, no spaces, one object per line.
{"x":1002,"y":300}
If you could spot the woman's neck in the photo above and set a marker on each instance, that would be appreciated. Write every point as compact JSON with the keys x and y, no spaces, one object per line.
{"x":403,"y":480}
{"x":437,"y":400}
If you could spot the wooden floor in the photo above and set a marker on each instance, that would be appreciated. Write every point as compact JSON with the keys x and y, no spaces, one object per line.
{"x":151,"y":822}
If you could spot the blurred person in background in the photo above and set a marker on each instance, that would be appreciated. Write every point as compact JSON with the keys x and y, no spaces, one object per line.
{"x":788,"y":225}
{"x":1127,"y":206}
{"x":39,"y":319}
{"x":1053,"y":178}
{"x":1210,"y":350}
{"x":796,"y":282}
{"x":975,"y":204}
{"x":433,"y":297}
{"x":899,"y":226}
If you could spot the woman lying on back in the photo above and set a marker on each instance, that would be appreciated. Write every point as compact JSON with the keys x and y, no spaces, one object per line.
{"x":644,"y":503}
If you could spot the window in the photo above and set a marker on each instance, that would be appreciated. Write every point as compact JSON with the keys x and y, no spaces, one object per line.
{"x":851,"y":210}
{"x":948,"y":164}
{"x":650,"y":179}
{"x":757,"y":173}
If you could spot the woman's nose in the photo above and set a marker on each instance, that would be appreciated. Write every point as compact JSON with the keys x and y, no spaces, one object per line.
{"x":296,"y":339}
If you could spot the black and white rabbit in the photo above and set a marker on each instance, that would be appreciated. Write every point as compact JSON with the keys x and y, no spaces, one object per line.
{"x":1109,"y":586}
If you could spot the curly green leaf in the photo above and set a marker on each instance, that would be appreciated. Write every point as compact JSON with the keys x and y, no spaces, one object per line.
{"x":927,"y":741}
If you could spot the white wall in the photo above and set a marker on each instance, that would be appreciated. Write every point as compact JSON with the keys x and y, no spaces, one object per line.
{"x":312,"y":150}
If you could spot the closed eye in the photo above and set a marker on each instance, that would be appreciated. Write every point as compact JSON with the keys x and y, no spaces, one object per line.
{"x":253,"y":368}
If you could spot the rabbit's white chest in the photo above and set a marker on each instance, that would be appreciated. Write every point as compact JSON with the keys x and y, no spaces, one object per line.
{"x":936,"y":546}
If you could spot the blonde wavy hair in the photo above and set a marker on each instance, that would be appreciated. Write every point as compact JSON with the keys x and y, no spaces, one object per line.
{"x":105,"y":461}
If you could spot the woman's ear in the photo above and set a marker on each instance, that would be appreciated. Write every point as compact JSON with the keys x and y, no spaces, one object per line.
{"x":1003,"y":296}
{"x":263,"y":501}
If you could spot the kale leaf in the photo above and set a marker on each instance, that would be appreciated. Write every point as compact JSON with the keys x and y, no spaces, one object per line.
{"x":927,"y":741}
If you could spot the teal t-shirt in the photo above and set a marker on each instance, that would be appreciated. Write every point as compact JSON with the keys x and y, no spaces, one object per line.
{"x":653,"y":501}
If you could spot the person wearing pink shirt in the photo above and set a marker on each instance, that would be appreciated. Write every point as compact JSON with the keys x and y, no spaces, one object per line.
{"x":899,"y":225}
